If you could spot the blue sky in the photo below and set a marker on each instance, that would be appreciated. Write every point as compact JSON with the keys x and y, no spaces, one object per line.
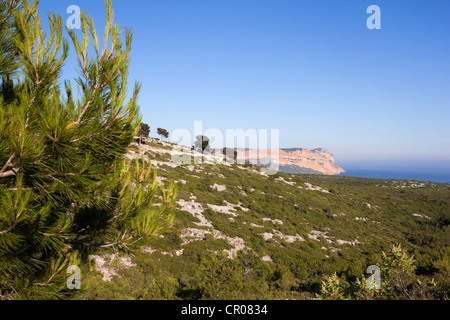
{"x":310,"y":68}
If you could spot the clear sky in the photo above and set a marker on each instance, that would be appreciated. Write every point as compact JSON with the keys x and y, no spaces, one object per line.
{"x":310,"y":68}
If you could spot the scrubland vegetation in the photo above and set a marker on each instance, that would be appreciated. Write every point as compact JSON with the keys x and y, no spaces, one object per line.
{"x":316,"y":244}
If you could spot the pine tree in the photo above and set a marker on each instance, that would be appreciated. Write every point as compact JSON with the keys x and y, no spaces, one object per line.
{"x":66,"y":188}
{"x":144,"y":131}
{"x":8,"y":51}
{"x":202,"y":144}
{"x":162,"y":133}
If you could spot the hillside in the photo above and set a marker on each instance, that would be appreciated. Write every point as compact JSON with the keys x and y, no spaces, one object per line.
{"x":240,"y":234}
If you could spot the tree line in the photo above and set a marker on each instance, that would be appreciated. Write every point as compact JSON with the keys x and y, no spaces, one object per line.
{"x":144,"y":132}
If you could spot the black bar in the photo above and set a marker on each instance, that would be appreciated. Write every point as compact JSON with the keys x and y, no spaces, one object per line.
{"x":225,"y":309}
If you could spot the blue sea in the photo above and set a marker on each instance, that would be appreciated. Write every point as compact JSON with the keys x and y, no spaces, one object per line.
{"x":432,"y":171}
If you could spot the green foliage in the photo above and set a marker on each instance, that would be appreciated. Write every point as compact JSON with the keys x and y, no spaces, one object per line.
{"x":144,"y":130}
{"x":222,"y":277}
{"x":396,"y":262}
{"x":398,"y":273}
{"x":9,"y":58}
{"x":398,"y":282}
{"x":162,"y":133}
{"x":333,"y":288}
{"x":66,"y":189}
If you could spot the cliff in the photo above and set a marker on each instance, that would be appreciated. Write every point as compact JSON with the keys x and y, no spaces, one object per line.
{"x":296,"y":160}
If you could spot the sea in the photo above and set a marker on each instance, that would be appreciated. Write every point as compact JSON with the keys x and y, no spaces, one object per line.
{"x":429,"y":171}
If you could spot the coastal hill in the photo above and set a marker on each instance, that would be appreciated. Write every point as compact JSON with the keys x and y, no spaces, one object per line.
{"x":239,"y":233}
{"x":295,"y":160}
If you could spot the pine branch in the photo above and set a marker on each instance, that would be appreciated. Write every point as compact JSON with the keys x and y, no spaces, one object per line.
{"x":12,"y":7}
{"x":97,"y":244}
{"x":6,"y":230}
{"x":7,"y":164}
{"x":92,"y":134}
{"x":47,"y":283}
{"x":9,"y":173}
{"x":97,"y":86}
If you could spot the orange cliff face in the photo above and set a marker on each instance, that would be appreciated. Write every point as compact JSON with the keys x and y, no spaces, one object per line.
{"x":319,"y":160}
